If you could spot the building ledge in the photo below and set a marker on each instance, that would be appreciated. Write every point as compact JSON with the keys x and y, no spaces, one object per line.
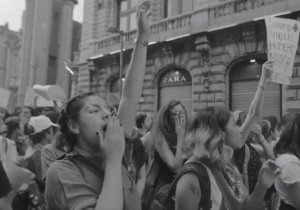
{"x":224,"y":15}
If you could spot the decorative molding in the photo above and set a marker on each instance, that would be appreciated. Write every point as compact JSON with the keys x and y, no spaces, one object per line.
{"x":249,"y":35}
{"x":203,"y":46}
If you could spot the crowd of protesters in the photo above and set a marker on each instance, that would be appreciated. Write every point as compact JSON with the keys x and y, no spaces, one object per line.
{"x":89,"y":155}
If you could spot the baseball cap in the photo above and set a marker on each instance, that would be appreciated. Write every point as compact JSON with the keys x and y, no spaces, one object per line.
{"x":40,"y":123}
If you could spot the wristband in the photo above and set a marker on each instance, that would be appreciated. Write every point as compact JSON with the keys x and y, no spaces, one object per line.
{"x":143,"y":43}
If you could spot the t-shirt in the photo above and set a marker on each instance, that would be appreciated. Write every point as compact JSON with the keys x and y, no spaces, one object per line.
{"x":5,"y":186}
{"x":76,"y":184}
{"x":33,"y":164}
{"x":290,"y":174}
{"x":49,"y":154}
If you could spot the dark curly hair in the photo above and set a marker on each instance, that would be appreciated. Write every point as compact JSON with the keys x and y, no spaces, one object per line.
{"x":70,"y":112}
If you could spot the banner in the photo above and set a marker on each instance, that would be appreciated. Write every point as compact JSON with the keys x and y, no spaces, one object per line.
{"x":4,"y":98}
{"x":282,"y":39}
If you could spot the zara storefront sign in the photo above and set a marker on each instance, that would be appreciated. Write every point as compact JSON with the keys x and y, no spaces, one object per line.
{"x":175,"y":77}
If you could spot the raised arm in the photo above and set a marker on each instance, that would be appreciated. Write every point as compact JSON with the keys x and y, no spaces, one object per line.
{"x":257,"y":102}
{"x":134,"y":78}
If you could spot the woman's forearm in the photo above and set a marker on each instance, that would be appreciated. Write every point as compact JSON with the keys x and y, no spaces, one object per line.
{"x":178,"y":160}
{"x":268,"y":150}
{"x":112,"y":185}
{"x":255,"y":109}
{"x":133,"y":84}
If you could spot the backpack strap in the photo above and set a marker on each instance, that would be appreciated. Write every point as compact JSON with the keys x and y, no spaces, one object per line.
{"x":200,"y":171}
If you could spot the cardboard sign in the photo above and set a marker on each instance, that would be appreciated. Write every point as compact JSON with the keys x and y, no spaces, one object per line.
{"x":4,"y":98}
{"x":282,"y":38}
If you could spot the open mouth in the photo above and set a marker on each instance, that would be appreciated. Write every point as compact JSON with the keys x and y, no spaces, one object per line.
{"x":104,"y":128}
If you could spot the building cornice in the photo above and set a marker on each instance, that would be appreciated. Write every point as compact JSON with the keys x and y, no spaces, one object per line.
{"x":204,"y":20}
{"x":74,"y":2}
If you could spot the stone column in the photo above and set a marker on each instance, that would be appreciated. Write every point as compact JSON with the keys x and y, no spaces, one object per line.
{"x":41,"y":42}
{"x":65,"y":44}
{"x":27,"y":28}
{"x":201,"y":86}
{"x":3,"y":55}
{"x":9,"y":65}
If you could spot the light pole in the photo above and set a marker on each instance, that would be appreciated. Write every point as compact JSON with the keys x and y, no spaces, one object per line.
{"x":121,"y":34}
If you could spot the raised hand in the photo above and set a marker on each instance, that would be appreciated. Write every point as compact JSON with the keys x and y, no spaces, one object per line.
{"x":258,"y":132}
{"x":113,"y":144}
{"x":268,"y":173}
{"x":180,"y":124}
{"x":267,"y":70}
{"x":143,"y":13}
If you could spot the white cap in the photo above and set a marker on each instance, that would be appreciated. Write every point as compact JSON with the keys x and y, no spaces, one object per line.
{"x":40,"y":123}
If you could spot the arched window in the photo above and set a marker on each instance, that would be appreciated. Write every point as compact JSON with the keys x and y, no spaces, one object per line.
{"x":244,"y":78}
{"x":176,"y":84}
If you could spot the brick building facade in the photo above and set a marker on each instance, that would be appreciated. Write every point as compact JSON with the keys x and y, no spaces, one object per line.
{"x":205,"y":53}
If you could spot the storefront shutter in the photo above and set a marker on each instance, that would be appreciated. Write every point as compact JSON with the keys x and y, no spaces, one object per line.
{"x":242,"y":93}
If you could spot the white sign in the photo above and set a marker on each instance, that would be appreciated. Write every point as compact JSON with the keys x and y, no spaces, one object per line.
{"x":30,"y":97}
{"x":282,"y":37}
{"x":4,"y":98}
{"x":41,"y":102}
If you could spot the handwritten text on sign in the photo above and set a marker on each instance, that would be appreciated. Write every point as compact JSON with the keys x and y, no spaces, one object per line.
{"x":283,"y":37}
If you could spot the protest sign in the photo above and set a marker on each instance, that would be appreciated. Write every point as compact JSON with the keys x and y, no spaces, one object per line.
{"x":282,"y":39}
{"x":4,"y":98}
{"x":30,"y":97}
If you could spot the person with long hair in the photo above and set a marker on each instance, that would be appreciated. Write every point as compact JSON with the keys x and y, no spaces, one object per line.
{"x":207,"y":142}
{"x":168,"y":134}
{"x":167,"y":139}
{"x":92,"y":175}
{"x":211,"y":140}
{"x":246,"y":158}
{"x":287,"y":151}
